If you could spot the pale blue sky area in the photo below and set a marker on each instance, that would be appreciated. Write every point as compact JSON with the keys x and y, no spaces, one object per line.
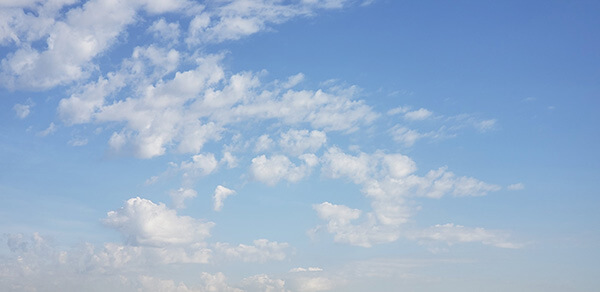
{"x":332,"y":145}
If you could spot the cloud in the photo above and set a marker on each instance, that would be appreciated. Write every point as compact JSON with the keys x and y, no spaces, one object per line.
{"x":516,"y":187}
{"x":201,"y":164}
{"x":23,"y":110}
{"x":261,"y":251}
{"x":344,"y":223}
{"x":309,"y":269}
{"x":406,"y":136}
{"x":165,"y":31}
{"x":144,"y":223}
{"x":48,"y":131}
{"x":263,"y":282}
{"x":388,"y":180}
{"x":73,"y":37}
{"x":263,"y":143}
{"x":77,"y":142}
{"x":186,"y":110}
{"x":297,"y":142}
{"x":179,"y":196}
{"x":278,"y":167}
{"x":418,"y":115}
{"x":452,"y":234}
{"x":221,"y":193}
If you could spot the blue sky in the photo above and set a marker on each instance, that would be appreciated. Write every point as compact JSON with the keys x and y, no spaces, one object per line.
{"x":330,"y":145}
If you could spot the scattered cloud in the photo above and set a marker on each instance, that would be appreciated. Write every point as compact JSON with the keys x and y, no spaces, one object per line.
{"x":516,"y":187}
{"x":297,"y":142}
{"x":221,"y":193}
{"x":48,"y":131}
{"x":144,"y":223}
{"x":179,"y":196}
{"x":262,"y":250}
{"x":278,"y":167}
{"x":452,"y":234}
{"x":418,"y":115}
{"x":23,"y":110}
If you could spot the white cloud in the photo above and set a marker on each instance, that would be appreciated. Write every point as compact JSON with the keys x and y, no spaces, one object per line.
{"x":201,"y":164}
{"x":398,"y":110}
{"x":48,"y":131}
{"x":271,"y":170}
{"x":344,"y":223}
{"x":76,"y":142}
{"x":297,"y":142}
{"x":516,"y":187}
{"x":293,"y":80}
{"x":313,"y":284}
{"x":485,"y":125}
{"x":179,"y":196}
{"x":145,"y":223}
{"x":406,"y":136}
{"x":208,"y":282}
{"x":418,"y":115}
{"x":452,"y":234}
{"x":338,"y":164}
{"x":261,"y":251}
{"x":263,"y":143}
{"x":388,"y":180}
{"x":263,"y":283}
{"x":23,"y":110}
{"x":165,"y":31}
{"x":230,"y":160}
{"x":73,"y":38}
{"x":221,"y":193}
{"x":309,"y":269}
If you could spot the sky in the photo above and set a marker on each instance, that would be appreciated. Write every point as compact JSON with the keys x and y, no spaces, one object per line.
{"x":301,"y":145}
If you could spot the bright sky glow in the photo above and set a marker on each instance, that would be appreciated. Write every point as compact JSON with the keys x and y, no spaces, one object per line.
{"x":303,"y":145}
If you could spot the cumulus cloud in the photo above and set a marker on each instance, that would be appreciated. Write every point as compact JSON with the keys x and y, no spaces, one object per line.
{"x":221,"y":193}
{"x":186,"y":110}
{"x":144,"y":223}
{"x":263,"y":282}
{"x":390,"y":182}
{"x":278,"y":167}
{"x":201,"y":164}
{"x":297,"y":142}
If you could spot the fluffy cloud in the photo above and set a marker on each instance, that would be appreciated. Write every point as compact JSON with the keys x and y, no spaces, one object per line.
{"x":221,"y":193}
{"x":343,"y":222}
{"x":263,"y":283}
{"x":278,"y":167}
{"x":388,"y":180}
{"x":145,"y":223}
{"x":262,"y":251}
{"x":297,"y":142}
{"x":23,"y":110}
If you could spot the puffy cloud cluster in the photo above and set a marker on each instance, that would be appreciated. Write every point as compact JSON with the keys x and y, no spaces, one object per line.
{"x":389,"y":181}
{"x":272,"y":170}
{"x":145,"y":223}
